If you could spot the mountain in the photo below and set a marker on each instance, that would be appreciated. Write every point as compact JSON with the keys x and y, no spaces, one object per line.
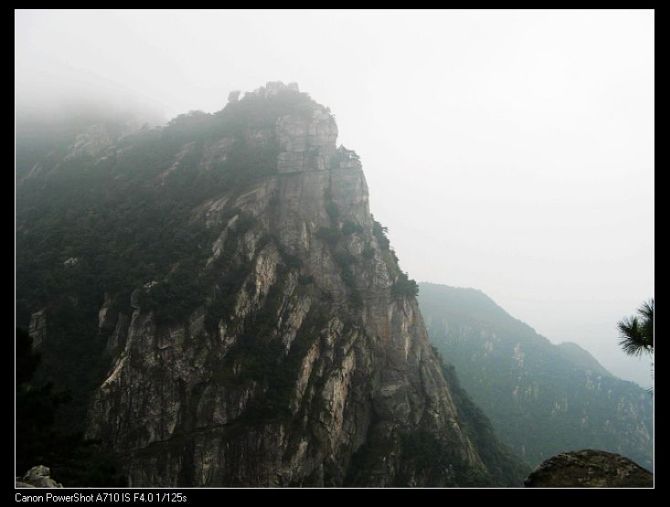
{"x":542,"y":399}
{"x":225,"y":311}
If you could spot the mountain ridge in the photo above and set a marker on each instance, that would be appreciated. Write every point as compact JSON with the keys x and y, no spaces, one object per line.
{"x":523,"y":382}
{"x":571,"y":350}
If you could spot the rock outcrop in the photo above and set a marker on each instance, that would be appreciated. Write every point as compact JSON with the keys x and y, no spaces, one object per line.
{"x":38,"y":477}
{"x":38,"y":328}
{"x":589,"y":469}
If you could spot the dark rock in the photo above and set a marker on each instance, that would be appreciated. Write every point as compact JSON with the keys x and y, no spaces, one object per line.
{"x":38,"y":477}
{"x":589,"y":468}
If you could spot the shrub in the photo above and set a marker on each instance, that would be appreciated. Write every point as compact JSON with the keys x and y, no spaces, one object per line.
{"x":368,"y":252}
{"x":329,"y":235}
{"x":305,"y":279}
{"x":405,"y":287}
{"x":332,"y":211}
{"x":351,"y":228}
{"x":380,"y":233}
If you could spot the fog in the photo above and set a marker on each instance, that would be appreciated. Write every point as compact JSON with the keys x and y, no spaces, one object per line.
{"x":510,"y":151}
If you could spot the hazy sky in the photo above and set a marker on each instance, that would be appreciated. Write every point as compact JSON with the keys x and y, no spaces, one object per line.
{"x":510,"y":151}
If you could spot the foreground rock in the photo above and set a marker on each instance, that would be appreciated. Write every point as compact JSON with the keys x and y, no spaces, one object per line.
{"x":38,"y":477}
{"x":590,"y":469}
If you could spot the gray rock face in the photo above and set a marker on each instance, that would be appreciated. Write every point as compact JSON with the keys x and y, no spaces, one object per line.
{"x":234,"y":96}
{"x":38,"y":477}
{"x":272,"y":88}
{"x":306,"y":144}
{"x":311,"y":372}
{"x":590,"y":469}
{"x":91,"y":142}
{"x":38,"y":328}
{"x":98,"y":140}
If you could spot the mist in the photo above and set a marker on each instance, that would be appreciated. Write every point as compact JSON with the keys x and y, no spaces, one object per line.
{"x":509,"y":151}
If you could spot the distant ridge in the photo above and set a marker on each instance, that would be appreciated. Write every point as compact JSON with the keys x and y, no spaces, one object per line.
{"x":542,"y":398}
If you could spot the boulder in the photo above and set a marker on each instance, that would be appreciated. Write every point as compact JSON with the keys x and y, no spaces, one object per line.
{"x":38,"y":477}
{"x":589,"y":468}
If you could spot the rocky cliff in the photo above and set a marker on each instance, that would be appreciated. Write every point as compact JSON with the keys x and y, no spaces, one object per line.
{"x":249,"y":323}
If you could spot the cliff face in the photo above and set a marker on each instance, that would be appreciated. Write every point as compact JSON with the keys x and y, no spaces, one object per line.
{"x":274,"y":345}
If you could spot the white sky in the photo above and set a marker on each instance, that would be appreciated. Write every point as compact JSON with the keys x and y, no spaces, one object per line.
{"x":510,"y":151}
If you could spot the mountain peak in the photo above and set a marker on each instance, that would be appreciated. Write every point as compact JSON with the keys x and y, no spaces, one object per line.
{"x":273,"y":88}
{"x":249,"y":323}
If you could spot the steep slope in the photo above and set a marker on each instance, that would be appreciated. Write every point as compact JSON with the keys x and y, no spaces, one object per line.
{"x":541,"y":398}
{"x":220,"y":300}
